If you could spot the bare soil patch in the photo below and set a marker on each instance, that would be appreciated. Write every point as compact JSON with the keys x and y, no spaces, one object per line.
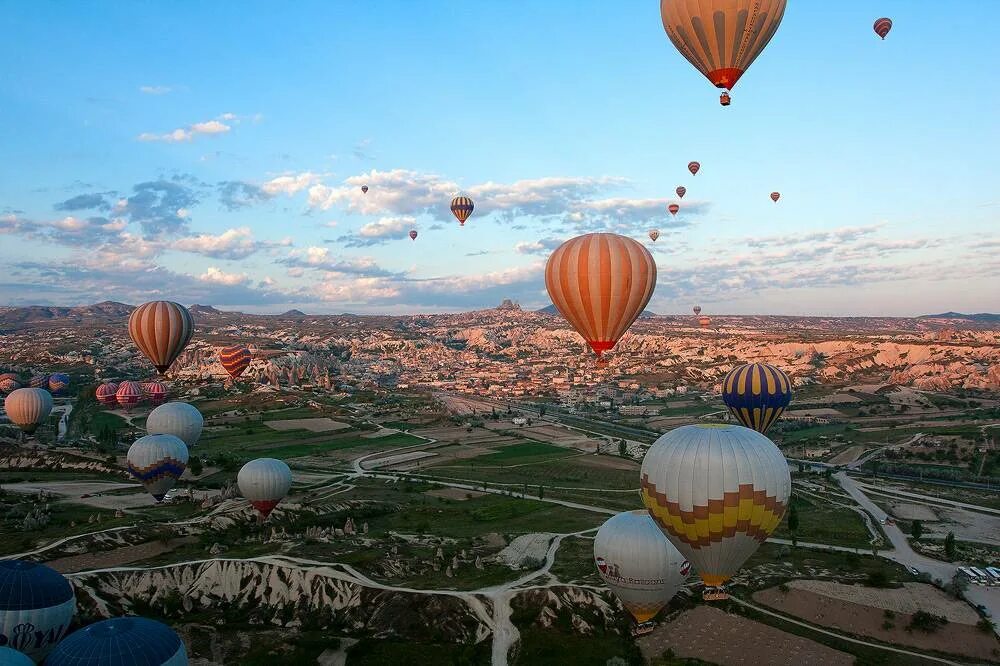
{"x":323,"y":424}
{"x":117,"y":557}
{"x":848,"y":455}
{"x":459,"y":494}
{"x":608,"y":462}
{"x":863,"y":620}
{"x":717,"y":637}
{"x":907,"y":599}
{"x":906,"y":511}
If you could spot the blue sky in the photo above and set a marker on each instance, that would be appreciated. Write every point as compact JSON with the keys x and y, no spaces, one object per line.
{"x":213,"y":153}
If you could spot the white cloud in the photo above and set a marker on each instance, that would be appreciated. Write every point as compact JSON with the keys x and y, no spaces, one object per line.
{"x":290,"y":183}
{"x":230,"y":244}
{"x":216,"y":276}
{"x":155,"y":90}
{"x":183,"y":134}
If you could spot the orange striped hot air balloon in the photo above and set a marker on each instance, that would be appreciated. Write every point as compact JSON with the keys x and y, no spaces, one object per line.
{"x":161,"y":330}
{"x":461,"y":208}
{"x":704,"y":322}
{"x":882,"y":27}
{"x":694,"y":167}
{"x":775,"y":196}
{"x":721,"y":38}
{"x":235,"y":359}
{"x":673,"y":208}
{"x":600,"y":283}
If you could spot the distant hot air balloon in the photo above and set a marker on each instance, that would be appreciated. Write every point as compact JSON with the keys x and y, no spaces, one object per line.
{"x":654,"y":234}
{"x":694,"y":167}
{"x":155,"y":392}
{"x":11,"y":657}
{"x":756,"y":394}
{"x":105,"y":394}
{"x":36,"y":608}
{"x":8,"y":385}
{"x":600,"y":283}
{"x":128,"y":394}
{"x":27,"y":408}
{"x":179,"y":419}
{"x":697,"y":310}
{"x":681,"y":191}
{"x":717,"y":491}
{"x":120,"y":641}
{"x":161,"y":330}
{"x":14,"y":376}
{"x":673,"y":208}
{"x":721,"y":38}
{"x":157,"y":461}
{"x":461,"y":208}
{"x":638,"y":564}
{"x":775,"y":196}
{"x":364,"y":189}
{"x":39,"y":381}
{"x":704,"y":322}
{"x":235,"y":359}
{"x":882,"y":27}
{"x":413,"y":234}
{"x":265,"y":482}
{"x":58,"y":383}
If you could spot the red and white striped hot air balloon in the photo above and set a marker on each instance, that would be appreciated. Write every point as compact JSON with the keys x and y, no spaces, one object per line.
{"x":681,"y":191}
{"x":265,"y":482}
{"x":694,"y":168}
{"x":600,"y":283}
{"x":8,"y":385}
{"x":882,"y":27}
{"x":129,"y":394}
{"x":161,"y":330}
{"x":155,"y":392}
{"x":673,"y":208}
{"x":775,"y":196}
{"x":105,"y":394}
{"x":235,"y":359}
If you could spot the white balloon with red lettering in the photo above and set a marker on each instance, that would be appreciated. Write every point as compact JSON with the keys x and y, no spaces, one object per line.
{"x":265,"y":482}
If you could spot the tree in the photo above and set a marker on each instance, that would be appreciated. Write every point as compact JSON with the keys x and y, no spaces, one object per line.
{"x":622,"y":449}
{"x":793,"y":519}
{"x":541,"y":410}
{"x":194,"y":464}
{"x":949,"y":546}
{"x":541,"y":492}
{"x":916,"y":530}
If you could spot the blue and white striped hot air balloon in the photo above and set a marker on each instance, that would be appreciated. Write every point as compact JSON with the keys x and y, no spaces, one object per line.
{"x":58,"y":383}
{"x":36,"y":607}
{"x":158,"y":461}
{"x":121,"y":641}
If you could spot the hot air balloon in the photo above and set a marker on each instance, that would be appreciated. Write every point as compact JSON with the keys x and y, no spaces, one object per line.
{"x":161,"y":330}
{"x":157,"y":461}
{"x":882,"y":27}
{"x":39,"y":381}
{"x":775,"y":196}
{"x":600,"y":283}
{"x":265,"y":482}
{"x":155,"y":392}
{"x":9,"y":385}
{"x":638,"y":564}
{"x":364,"y":189}
{"x":681,"y":191}
{"x":413,"y":234}
{"x":717,"y":491}
{"x":235,"y":359}
{"x":128,"y":395}
{"x":756,"y":394}
{"x":654,"y":234}
{"x":11,"y":375}
{"x":58,"y":383}
{"x":120,"y":641}
{"x":721,"y":38}
{"x":179,"y":419}
{"x":673,"y":208}
{"x":694,"y":167}
{"x":704,"y":322}
{"x":697,"y":310}
{"x":11,"y":657}
{"x":36,"y":607}
{"x":461,"y":208}
{"x":105,"y":394}
{"x":27,"y":408}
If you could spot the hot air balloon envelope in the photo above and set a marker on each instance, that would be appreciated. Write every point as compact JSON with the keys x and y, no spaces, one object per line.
{"x":58,"y":383}
{"x":27,"y":408}
{"x":161,"y":330}
{"x":717,"y":492}
{"x":694,"y":167}
{"x":265,"y":482}
{"x":11,"y":657}
{"x":600,"y":283}
{"x":129,"y":394}
{"x":673,"y":208}
{"x":775,"y":196}
{"x":157,"y":461}
{"x":36,"y":607}
{"x":882,"y":27}
{"x":756,"y":394}
{"x":105,"y":394}
{"x":654,"y":234}
{"x":413,"y":234}
{"x":120,"y":641}
{"x":697,"y":309}
{"x":364,"y":189}
{"x":179,"y":419}
{"x":235,"y":359}
{"x":461,"y":208}
{"x":8,"y":385}
{"x":681,"y":191}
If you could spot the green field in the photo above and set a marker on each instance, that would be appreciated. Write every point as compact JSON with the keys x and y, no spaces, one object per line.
{"x":821,"y":522}
{"x":562,"y":471}
{"x":375,"y":652}
{"x":574,"y":562}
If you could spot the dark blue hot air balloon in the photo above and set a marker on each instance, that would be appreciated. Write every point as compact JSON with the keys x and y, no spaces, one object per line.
{"x":58,"y":383}
{"x":121,"y":641}
{"x":756,"y":394}
{"x":11,"y":657}
{"x":36,"y":607}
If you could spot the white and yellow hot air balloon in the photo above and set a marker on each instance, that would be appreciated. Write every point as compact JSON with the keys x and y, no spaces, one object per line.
{"x":27,"y":408}
{"x":180,"y":419}
{"x":717,"y":491}
{"x":638,"y":564}
{"x":157,"y":461}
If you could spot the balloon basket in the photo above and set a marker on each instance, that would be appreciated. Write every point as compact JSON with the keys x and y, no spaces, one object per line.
{"x":724,"y":99}
{"x":714,"y":594}
{"x":643,"y":628}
